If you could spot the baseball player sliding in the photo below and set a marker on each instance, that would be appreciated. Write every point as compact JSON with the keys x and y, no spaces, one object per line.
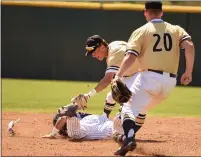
{"x":156,"y":45}
{"x":78,"y":125}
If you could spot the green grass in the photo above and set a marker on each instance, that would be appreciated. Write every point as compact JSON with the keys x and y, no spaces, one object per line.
{"x":47,"y":96}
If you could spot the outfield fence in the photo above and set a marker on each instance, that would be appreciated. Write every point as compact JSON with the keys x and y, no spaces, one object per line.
{"x":46,"y":40}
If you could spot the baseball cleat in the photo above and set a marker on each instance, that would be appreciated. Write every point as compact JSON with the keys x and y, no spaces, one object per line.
{"x":128,"y":145}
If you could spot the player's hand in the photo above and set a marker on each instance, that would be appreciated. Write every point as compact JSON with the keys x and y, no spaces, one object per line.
{"x":81,"y":101}
{"x":117,"y":78}
{"x":86,"y":96}
{"x":50,"y":136}
{"x":186,"y":78}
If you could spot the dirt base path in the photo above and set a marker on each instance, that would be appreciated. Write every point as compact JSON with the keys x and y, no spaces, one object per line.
{"x":158,"y":137}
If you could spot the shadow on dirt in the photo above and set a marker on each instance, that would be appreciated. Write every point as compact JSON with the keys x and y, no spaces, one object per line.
{"x":143,"y":152}
{"x":137,"y":140}
{"x":149,"y":141}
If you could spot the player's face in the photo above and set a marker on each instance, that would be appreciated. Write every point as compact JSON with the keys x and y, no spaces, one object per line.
{"x":99,"y":53}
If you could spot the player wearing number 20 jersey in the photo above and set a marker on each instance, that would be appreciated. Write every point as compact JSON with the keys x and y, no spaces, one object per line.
{"x":157,"y":44}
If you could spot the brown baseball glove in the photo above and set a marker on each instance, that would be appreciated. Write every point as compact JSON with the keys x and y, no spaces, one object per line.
{"x":120,"y":92}
{"x":80,"y":100}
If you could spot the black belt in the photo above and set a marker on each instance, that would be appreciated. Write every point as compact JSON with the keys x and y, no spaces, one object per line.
{"x":161,"y":72}
{"x":129,"y":75}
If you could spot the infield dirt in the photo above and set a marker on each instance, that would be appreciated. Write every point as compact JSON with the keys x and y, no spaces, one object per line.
{"x":158,"y":137}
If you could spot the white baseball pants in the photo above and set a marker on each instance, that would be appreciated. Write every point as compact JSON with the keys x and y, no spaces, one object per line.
{"x":148,"y":89}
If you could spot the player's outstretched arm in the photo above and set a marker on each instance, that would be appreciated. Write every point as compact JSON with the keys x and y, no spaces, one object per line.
{"x":188,"y":45}
{"x":106,"y":80}
{"x":60,"y":118}
{"x":58,"y":126}
{"x":99,"y":87}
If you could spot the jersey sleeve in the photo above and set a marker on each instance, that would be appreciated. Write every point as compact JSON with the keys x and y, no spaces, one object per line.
{"x":135,"y":42}
{"x":112,"y":65}
{"x":183,"y":35}
{"x":114,"y":62}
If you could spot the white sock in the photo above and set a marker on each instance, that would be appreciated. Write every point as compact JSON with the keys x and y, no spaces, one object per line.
{"x":130,"y":133}
{"x":55,"y":131}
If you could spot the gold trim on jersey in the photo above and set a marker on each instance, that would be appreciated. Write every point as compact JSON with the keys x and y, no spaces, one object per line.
{"x":112,"y":68}
{"x":184,"y":38}
{"x":132,"y":52}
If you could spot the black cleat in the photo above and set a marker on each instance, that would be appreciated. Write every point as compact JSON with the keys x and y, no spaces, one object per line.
{"x":128,"y":145}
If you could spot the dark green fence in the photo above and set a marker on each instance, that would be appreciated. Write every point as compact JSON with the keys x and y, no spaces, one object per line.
{"x":49,"y":43}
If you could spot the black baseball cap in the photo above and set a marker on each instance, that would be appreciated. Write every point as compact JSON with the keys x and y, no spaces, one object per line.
{"x":92,"y":43}
{"x":153,"y":5}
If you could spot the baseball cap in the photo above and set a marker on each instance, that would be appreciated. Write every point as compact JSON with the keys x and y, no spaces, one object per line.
{"x":153,"y":5}
{"x":92,"y":43}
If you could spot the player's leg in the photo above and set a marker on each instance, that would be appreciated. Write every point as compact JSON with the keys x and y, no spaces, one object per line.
{"x":109,"y":104}
{"x":145,"y":87}
{"x":139,"y":121}
{"x":129,"y":127}
{"x":118,"y":132}
{"x":154,"y":89}
{"x":131,"y":110}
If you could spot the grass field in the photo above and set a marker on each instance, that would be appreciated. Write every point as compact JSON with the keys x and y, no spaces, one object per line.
{"x":46,"y":96}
